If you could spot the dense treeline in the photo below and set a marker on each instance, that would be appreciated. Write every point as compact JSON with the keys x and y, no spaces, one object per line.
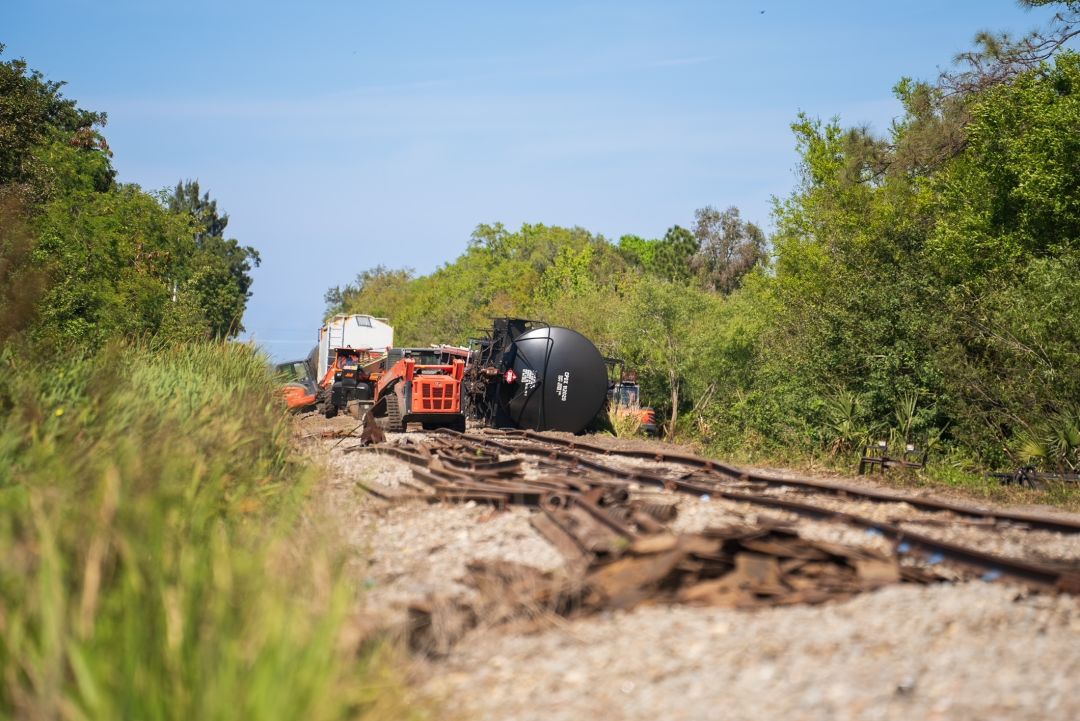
{"x":149,"y":497}
{"x":86,"y":258}
{"x":921,"y":285}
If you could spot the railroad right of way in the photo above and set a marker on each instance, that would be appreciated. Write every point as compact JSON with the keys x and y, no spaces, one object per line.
{"x":617,"y":526}
{"x":727,"y":608}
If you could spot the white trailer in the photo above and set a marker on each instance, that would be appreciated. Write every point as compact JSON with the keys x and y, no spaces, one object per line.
{"x":362,"y":332}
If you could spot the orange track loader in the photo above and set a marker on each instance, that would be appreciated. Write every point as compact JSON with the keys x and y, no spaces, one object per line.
{"x":420,"y":385}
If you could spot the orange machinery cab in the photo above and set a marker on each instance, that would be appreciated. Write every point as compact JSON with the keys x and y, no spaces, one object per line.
{"x":625,"y":397}
{"x":349,"y":381}
{"x":421,"y":385}
{"x":299,"y":390}
{"x":297,"y":397}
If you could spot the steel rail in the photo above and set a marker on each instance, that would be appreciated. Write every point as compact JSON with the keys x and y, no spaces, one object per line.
{"x":450,"y":482}
{"x":1047,"y":523}
{"x":1061,"y":579}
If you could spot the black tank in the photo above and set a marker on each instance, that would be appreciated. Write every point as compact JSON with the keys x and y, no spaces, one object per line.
{"x":559,"y":380}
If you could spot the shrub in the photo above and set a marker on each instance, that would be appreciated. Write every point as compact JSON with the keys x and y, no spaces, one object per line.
{"x":148,"y":502}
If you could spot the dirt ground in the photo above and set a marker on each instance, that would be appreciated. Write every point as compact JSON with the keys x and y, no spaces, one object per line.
{"x":969,"y":650}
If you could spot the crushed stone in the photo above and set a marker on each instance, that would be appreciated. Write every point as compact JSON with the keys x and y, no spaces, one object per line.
{"x":962,"y":651}
{"x":971,"y":651}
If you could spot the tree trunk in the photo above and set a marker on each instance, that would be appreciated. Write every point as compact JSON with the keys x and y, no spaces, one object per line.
{"x":674,"y":406}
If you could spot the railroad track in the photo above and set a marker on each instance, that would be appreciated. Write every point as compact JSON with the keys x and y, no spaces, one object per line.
{"x":717,"y":470}
{"x":587,"y":511}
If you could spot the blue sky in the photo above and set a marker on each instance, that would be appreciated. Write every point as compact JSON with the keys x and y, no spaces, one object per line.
{"x":343,"y":135}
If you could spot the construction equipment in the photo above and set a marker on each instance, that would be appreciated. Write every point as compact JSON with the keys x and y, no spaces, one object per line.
{"x":624,"y":399}
{"x":350,"y":351}
{"x":527,"y":374}
{"x":350,"y":381}
{"x":360,"y":332}
{"x":421,"y":385}
{"x":299,"y":389}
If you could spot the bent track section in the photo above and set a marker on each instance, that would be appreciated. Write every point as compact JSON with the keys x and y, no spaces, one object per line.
{"x":569,"y":474}
{"x":722,"y":470}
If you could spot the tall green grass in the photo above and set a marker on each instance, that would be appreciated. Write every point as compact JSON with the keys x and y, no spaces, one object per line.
{"x":152,"y":562}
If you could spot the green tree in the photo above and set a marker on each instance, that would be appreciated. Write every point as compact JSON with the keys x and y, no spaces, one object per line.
{"x":1012,"y":356}
{"x":104,"y":259}
{"x":500,"y":273}
{"x":728,"y":248}
{"x":673,"y":253}
{"x":570,"y":275}
{"x":208,"y":222}
{"x":1014,"y":194}
{"x":637,"y":251}
{"x":110,"y":259}
{"x":219,"y":273}
{"x":380,"y":292}
{"x":1005,"y":241}
{"x":654,"y":338}
{"x":34,"y":114}
{"x":899,"y":265}
{"x":1000,"y":58}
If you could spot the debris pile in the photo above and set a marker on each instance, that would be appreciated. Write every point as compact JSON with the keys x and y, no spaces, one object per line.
{"x":738,"y":566}
{"x":734,"y":566}
{"x":619,"y":552}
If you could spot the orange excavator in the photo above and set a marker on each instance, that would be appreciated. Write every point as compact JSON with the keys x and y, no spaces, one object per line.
{"x":421,"y":385}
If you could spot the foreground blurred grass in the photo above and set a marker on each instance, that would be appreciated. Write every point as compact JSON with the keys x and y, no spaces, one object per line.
{"x":153,"y":567}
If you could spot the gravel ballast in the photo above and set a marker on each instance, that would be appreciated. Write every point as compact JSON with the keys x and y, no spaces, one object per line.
{"x":946,"y":651}
{"x":971,"y":651}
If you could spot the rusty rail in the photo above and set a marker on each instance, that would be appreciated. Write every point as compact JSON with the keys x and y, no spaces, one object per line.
{"x":1047,"y":523}
{"x":579,"y":494}
{"x":1042,"y":575}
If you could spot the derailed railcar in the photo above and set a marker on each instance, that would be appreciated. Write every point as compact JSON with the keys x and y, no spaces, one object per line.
{"x":531,"y":375}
